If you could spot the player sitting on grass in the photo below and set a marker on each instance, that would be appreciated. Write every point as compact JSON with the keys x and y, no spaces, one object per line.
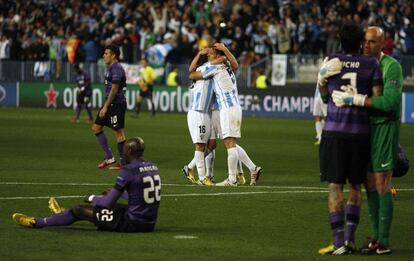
{"x":138,"y":181}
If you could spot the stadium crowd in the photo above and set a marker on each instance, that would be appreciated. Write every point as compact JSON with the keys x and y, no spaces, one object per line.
{"x":40,"y":29}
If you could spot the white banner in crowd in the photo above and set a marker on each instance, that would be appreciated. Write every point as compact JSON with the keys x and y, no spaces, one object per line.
{"x":132,"y":72}
{"x":41,"y":68}
{"x":279,"y":69}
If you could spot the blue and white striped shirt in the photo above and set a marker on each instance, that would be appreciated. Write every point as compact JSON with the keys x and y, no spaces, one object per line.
{"x":201,"y":92}
{"x":224,"y":85}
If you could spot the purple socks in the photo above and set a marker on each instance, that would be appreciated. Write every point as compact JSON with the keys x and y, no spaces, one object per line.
{"x":121,"y":152}
{"x":102,"y":140}
{"x":352,"y":220}
{"x":337,"y":226}
{"x":63,"y":218}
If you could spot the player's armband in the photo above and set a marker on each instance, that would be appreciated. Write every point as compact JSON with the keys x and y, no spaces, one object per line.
{"x":325,"y":97}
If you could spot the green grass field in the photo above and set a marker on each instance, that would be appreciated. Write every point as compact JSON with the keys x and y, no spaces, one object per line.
{"x":285,"y":217}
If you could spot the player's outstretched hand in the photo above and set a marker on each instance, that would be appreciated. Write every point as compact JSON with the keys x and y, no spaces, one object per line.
{"x":328,"y":68}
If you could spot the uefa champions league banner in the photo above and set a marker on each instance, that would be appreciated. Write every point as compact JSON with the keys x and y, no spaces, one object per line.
{"x":408,"y":107}
{"x":63,"y":95}
{"x":285,"y":102}
{"x":281,"y":102}
{"x":9,"y":94}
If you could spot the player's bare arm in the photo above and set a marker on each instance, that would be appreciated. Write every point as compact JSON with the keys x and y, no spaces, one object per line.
{"x":233,"y":62}
{"x":219,"y":60}
{"x":194,"y":62}
{"x":376,"y":91}
{"x":111,"y":96}
{"x":196,"y":76}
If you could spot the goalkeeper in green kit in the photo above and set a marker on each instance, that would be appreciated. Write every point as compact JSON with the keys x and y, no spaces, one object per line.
{"x":385,"y":130}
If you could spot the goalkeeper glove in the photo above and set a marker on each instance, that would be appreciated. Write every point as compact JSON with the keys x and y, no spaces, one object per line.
{"x":328,"y":69}
{"x":348,"y":96}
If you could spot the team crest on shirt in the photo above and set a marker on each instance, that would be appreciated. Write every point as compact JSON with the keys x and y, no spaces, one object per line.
{"x":394,"y":82}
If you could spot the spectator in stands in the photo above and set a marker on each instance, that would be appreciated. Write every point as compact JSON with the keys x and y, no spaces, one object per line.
{"x":172,"y":78}
{"x":91,"y":49}
{"x":28,"y":22}
{"x":388,"y":43}
{"x":159,"y":16}
{"x":261,"y":80}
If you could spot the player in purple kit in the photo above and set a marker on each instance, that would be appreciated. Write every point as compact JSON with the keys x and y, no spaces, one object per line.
{"x":84,"y":93}
{"x":345,"y":145}
{"x":138,"y":181}
{"x":112,"y":113}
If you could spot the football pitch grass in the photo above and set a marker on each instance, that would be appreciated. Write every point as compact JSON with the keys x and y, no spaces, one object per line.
{"x":284,"y":217}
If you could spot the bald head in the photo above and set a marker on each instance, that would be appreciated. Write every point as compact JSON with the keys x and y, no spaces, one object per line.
{"x":134,"y":149}
{"x":374,"y":41}
{"x":377,"y":31}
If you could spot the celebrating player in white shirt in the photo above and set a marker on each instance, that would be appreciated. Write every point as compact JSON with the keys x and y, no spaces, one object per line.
{"x":199,"y":121}
{"x":225,"y":88}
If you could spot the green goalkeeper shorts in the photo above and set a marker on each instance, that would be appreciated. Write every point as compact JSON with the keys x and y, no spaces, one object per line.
{"x":384,"y":146}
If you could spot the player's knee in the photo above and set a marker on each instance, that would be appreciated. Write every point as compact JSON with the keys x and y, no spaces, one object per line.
{"x":200,"y":146}
{"x":77,"y":212}
{"x":96,"y":128}
{"x":81,"y":212}
{"x":212,"y":144}
{"x":120,"y":135}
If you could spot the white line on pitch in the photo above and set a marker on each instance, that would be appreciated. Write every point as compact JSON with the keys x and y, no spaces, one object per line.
{"x":186,"y":194}
{"x":202,"y":194}
{"x":167,"y":184}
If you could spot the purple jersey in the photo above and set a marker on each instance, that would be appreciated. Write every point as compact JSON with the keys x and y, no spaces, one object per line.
{"x":84,"y":82}
{"x":141,"y":180}
{"x":116,"y":75}
{"x":363,"y":72}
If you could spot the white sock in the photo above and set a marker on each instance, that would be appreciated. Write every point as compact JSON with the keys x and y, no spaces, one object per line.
{"x":211,"y":155}
{"x":245,"y":158}
{"x":232,"y":160}
{"x":239,"y":167}
{"x":319,"y":127}
{"x":192,"y":163}
{"x":201,"y":168}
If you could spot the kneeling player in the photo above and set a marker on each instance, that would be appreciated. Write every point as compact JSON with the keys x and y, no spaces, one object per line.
{"x":139,"y":181}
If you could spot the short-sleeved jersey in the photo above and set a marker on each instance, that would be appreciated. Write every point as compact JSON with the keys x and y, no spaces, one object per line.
{"x":148,"y":74}
{"x":224,"y":85}
{"x":116,"y":75}
{"x":142,"y":182}
{"x":84,"y":82}
{"x":362,"y":72}
{"x":201,"y":92}
{"x":388,"y":106}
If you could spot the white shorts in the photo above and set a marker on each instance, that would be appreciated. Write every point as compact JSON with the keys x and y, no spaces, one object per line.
{"x":215,"y":125}
{"x":199,"y":125}
{"x":319,"y":108}
{"x":230,"y":122}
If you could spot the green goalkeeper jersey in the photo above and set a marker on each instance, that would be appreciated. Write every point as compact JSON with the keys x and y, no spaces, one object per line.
{"x":388,"y":106}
